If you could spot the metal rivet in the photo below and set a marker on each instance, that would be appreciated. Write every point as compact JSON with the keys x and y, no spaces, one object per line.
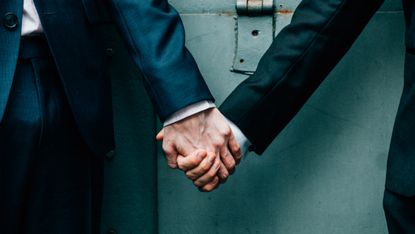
{"x":110,"y":155}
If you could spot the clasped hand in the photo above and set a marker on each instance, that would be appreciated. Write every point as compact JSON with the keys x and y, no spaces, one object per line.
{"x":203,"y":146}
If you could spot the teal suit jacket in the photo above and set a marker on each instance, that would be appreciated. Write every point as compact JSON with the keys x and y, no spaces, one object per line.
{"x":153,"y":33}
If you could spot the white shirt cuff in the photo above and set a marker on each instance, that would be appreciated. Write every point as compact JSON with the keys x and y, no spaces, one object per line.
{"x":243,"y":142}
{"x":189,"y":111}
{"x":197,"y":107}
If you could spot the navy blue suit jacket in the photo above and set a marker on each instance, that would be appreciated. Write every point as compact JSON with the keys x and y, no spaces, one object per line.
{"x":154,"y":35}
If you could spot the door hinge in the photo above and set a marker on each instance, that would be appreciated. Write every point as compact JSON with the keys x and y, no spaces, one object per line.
{"x":254,"y":33}
{"x":254,"y":7}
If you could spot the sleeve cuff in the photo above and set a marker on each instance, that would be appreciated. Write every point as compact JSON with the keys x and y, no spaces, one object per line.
{"x":243,"y":142}
{"x":197,"y":107}
{"x":189,"y":111}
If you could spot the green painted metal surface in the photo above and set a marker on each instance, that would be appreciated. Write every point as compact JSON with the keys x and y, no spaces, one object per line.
{"x":325,"y":172}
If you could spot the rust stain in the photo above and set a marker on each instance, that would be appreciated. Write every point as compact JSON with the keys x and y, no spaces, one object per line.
{"x":285,"y":11}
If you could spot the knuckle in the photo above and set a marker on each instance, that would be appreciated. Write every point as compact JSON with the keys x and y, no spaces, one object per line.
{"x":237,"y":150}
{"x":227,"y":132}
{"x":178,"y":148}
{"x":218,"y":143}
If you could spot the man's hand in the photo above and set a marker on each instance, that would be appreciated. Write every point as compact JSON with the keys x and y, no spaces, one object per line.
{"x":201,"y":167}
{"x":207,"y":130}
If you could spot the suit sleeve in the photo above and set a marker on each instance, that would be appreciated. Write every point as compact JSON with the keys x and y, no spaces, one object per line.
{"x":154,"y":34}
{"x":299,"y":59}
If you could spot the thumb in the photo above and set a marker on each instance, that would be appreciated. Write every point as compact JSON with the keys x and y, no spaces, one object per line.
{"x":160,"y":135}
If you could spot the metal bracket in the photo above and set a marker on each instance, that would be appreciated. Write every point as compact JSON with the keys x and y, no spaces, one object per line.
{"x":254,"y":33}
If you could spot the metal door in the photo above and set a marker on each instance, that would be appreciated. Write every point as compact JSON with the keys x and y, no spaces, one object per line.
{"x":324,"y":174}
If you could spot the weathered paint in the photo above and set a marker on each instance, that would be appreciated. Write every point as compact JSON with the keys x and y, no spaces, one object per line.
{"x":323,"y":174}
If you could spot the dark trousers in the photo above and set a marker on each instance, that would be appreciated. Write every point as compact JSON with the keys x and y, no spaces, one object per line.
{"x":49,"y":180}
{"x":399,"y":212}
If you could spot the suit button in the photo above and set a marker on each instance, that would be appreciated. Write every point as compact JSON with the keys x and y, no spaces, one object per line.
{"x":10,"y":21}
{"x":109,"y":52}
{"x":110,"y":155}
{"x":112,"y":231}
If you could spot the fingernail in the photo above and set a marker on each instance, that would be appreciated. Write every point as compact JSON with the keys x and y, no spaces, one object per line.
{"x":216,"y":180}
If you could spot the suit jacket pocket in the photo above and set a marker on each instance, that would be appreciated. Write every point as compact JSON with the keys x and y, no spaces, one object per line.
{"x":96,"y":11}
